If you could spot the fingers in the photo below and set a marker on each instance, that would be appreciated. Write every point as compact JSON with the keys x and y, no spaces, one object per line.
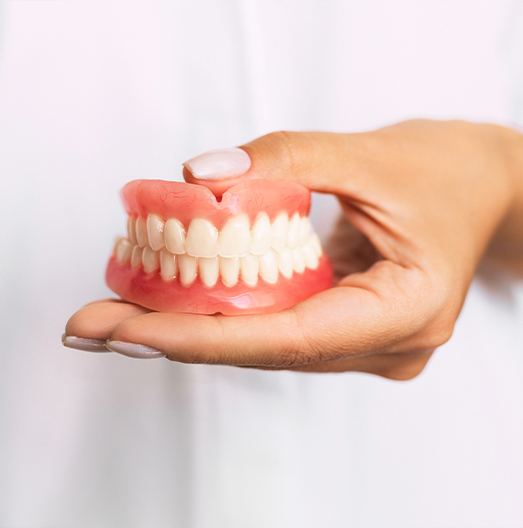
{"x":373,"y":316}
{"x":97,"y":320}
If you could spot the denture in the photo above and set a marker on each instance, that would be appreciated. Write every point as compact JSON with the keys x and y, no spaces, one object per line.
{"x":251,"y":252}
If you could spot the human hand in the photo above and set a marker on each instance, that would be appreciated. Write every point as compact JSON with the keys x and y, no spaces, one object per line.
{"x":425,"y":197}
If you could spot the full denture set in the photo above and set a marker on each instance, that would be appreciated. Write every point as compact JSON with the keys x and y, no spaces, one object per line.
{"x":251,"y":252}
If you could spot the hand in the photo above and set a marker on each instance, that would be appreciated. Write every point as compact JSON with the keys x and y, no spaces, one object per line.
{"x":425,"y":197}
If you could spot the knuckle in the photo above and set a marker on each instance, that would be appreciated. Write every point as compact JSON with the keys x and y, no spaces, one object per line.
{"x":289,"y":150}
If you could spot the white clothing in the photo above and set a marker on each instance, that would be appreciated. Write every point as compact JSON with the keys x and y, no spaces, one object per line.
{"x":95,"y":94}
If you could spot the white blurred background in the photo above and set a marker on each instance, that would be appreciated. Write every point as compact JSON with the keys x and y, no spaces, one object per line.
{"x":94,"y":94}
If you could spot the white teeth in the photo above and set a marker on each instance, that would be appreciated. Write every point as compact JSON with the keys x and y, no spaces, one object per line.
{"x":250,"y":267}
{"x":155,"y":228}
{"x":305,"y":231}
{"x":202,"y":239}
{"x":141,"y":232}
{"x":209,"y":269}
{"x":310,"y":257}
{"x":269,"y":267}
{"x":229,"y":270}
{"x":235,"y":237}
{"x":169,"y":265}
{"x":298,"y":261}
{"x":315,"y":244}
{"x":279,"y":232}
{"x":188,"y":267}
{"x":136,"y":257}
{"x":261,"y":235}
{"x":124,"y":249}
{"x":293,"y":235}
{"x":131,"y":230}
{"x":285,"y":263}
{"x":174,"y":236}
{"x":150,"y":260}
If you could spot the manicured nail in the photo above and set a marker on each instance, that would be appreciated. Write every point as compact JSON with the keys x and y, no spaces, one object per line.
{"x":219,"y":164}
{"x":134,"y":350}
{"x":81,"y":343}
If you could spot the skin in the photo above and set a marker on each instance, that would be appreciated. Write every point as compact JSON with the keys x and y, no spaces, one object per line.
{"x":424,"y":202}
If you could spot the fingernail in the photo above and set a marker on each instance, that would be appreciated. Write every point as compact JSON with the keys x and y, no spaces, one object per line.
{"x":81,"y":343}
{"x":134,"y":350}
{"x":219,"y":164}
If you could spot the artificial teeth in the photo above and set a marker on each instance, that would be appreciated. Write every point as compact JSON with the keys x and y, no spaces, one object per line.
{"x":310,"y":257}
{"x":269,"y":267}
{"x":124,"y":250}
{"x":261,"y":235}
{"x":188,"y":268}
{"x":174,"y":236}
{"x":150,"y":260}
{"x":168,"y":265}
{"x":131,"y":230}
{"x":298,"y":261}
{"x":235,"y":237}
{"x":136,"y":257}
{"x":209,"y":269}
{"x":305,"y":230}
{"x":249,"y":269}
{"x":202,"y":239}
{"x":141,"y":232}
{"x":285,"y":263}
{"x":293,"y":235}
{"x":155,"y":229}
{"x":279,"y":232}
{"x":230,"y":270}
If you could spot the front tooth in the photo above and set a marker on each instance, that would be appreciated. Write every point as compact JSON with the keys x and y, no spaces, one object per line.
{"x":150,"y":260}
{"x":209,"y":269}
{"x":305,"y":230}
{"x":131,"y":230}
{"x":261,"y":235}
{"x":174,"y":236}
{"x":141,"y":232}
{"x":315,"y":244}
{"x":269,"y":267}
{"x":124,"y":249}
{"x":293,"y":236}
{"x":249,"y":268}
{"x":169,"y":265}
{"x":155,"y":228}
{"x":310,"y":257}
{"x":298,"y":261}
{"x":188,"y":269}
{"x":285,"y":263}
{"x":229,"y":270}
{"x":202,"y":239}
{"x":279,"y":232}
{"x":136,"y":257}
{"x":235,"y":237}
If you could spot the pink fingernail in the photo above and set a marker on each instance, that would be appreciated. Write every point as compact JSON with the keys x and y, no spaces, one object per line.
{"x":81,"y":343}
{"x":219,"y":164}
{"x":133,"y":350}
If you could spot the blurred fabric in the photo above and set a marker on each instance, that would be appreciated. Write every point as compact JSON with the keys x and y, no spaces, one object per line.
{"x":94,"y":94}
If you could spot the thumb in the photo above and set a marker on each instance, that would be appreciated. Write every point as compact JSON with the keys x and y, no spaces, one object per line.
{"x":319,"y":161}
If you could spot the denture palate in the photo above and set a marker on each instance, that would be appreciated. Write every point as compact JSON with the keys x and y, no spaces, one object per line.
{"x":236,"y":252}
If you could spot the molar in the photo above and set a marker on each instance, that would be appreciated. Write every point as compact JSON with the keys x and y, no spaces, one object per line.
{"x":261,"y":235}
{"x":188,"y":267}
{"x":141,"y":232}
{"x":293,"y":235}
{"x":269,"y":267}
{"x":155,"y":228}
{"x":150,"y":260}
{"x":174,"y":236}
{"x":249,"y":269}
{"x":235,"y":237}
{"x":209,"y":269}
{"x":229,"y":270}
{"x":168,"y":265}
{"x":279,"y":232}
{"x":202,"y":239}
